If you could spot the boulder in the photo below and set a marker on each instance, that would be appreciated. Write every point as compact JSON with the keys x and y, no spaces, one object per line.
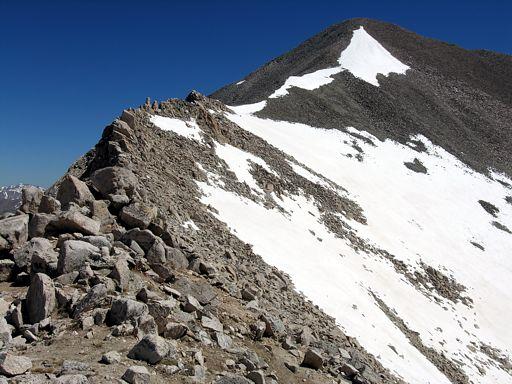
{"x":5,"y":333}
{"x":144,"y":238}
{"x":30,"y":199}
{"x":121,"y":273}
{"x":74,"y":221}
{"x":40,"y":298}
{"x":74,"y":254}
{"x":115,"y":181}
{"x":137,"y":374}
{"x":111,"y":357}
{"x":12,"y":365}
{"x":212,"y":323}
{"x":174,"y":330}
{"x":313,"y":359}
{"x":138,"y":215}
{"x":123,"y":309}
{"x":14,"y":230}
{"x":152,"y":349}
{"x":156,"y":253}
{"x":38,"y":249}
{"x":176,"y":258}
{"x":6,"y":269}
{"x":74,"y":190}
{"x":71,"y":379}
{"x":93,"y":299}
{"x":256,"y":377}
{"x":38,"y":224}
{"x":274,"y":326}
{"x":223,"y":340}
{"x":49,"y":204}
{"x":233,"y":379}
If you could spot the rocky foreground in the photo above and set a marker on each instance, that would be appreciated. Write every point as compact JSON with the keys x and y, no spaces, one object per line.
{"x":100,"y":282}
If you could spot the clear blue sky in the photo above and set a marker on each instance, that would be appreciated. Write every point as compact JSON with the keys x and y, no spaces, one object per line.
{"x":67,"y":68}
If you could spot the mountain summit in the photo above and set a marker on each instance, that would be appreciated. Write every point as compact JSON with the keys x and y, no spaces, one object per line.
{"x":343,"y":214}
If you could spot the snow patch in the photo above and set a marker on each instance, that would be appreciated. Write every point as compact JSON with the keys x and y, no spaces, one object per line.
{"x":188,"y":129}
{"x":364,"y":57}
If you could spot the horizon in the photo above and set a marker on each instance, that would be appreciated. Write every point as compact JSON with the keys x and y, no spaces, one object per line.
{"x":70,"y":68}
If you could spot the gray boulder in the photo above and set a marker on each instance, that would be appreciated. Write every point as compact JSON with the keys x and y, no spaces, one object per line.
{"x":152,"y":349}
{"x":144,"y":238}
{"x":115,"y":181}
{"x":313,"y":359}
{"x":138,"y":215}
{"x":49,"y":204}
{"x":156,"y":253}
{"x":176,"y":258}
{"x":38,"y":224}
{"x":233,"y":379}
{"x":74,"y":221}
{"x":72,"y":379}
{"x":12,"y":365}
{"x":93,"y":299}
{"x":137,"y":374}
{"x":74,"y":190}
{"x":74,"y":254}
{"x":14,"y":230}
{"x":125,"y":309}
{"x":37,"y":248}
{"x":111,"y":357}
{"x":40,"y":298}
{"x":30,"y":199}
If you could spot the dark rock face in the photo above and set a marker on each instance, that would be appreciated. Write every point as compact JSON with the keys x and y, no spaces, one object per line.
{"x":458,"y":99}
{"x":11,"y":197}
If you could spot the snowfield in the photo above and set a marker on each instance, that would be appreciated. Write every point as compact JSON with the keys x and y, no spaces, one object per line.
{"x":364,"y":57}
{"x":419,"y":218}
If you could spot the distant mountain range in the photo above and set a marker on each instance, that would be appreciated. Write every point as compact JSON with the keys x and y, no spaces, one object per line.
{"x":10,"y":197}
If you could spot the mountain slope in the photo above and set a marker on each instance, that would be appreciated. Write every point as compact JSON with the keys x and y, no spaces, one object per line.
{"x":347,"y":219}
{"x":459,"y":99}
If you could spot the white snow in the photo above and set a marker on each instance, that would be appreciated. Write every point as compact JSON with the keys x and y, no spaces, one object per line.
{"x":190,"y":224}
{"x":240,"y":82}
{"x":364,"y":57}
{"x":188,"y":129}
{"x":416,"y":217}
{"x":239,"y":163}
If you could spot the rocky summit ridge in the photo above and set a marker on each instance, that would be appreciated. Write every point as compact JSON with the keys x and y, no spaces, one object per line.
{"x":242,"y":238}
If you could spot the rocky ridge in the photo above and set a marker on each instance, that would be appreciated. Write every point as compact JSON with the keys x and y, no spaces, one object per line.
{"x":102,"y":280}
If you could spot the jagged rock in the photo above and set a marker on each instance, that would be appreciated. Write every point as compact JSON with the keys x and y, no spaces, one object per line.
{"x":129,"y":118}
{"x":5,"y":333}
{"x":137,"y":374}
{"x":176,"y":258}
{"x":256,"y":377}
{"x":306,"y":337}
{"x":274,"y":326}
{"x":233,"y":379}
{"x":313,"y":359}
{"x":30,"y":199}
{"x":73,"y":190}
{"x":12,"y":365}
{"x":15,"y":230}
{"x":145,"y":295}
{"x":146,"y":325}
{"x":72,"y":379}
{"x":49,"y":204}
{"x":121,"y":273}
{"x":125,"y":309}
{"x":291,"y":366}
{"x":74,"y":221}
{"x":39,"y":223}
{"x":99,"y":211}
{"x":156,"y":253}
{"x":191,"y":304}
{"x":203,"y":292}
{"x":258,"y":329}
{"x":138,"y":215}
{"x":114,"y":181}
{"x":349,"y":370}
{"x":212,"y":323}
{"x":223,"y":340}
{"x":144,"y":238}
{"x":6,"y":269}
{"x":175,"y":330}
{"x":161,"y":309}
{"x":98,"y":241}
{"x":111,"y":357}
{"x":40,"y":298}
{"x":73,"y":367}
{"x":38,"y":253}
{"x":249,"y":293}
{"x":74,"y":254}
{"x":152,"y":349}
{"x":91,"y":300}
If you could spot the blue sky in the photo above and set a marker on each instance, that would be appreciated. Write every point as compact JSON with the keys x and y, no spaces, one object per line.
{"x":67,"y":68}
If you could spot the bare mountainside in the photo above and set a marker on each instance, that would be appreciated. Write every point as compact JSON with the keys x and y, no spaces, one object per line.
{"x":342,"y":215}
